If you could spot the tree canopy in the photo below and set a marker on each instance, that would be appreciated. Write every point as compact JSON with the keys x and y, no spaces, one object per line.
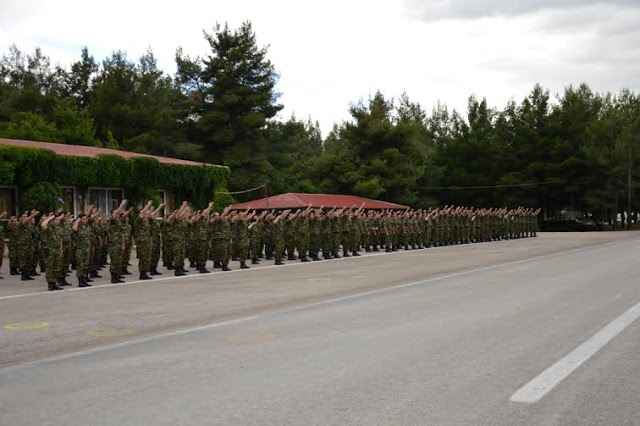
{"x":577,"y":149}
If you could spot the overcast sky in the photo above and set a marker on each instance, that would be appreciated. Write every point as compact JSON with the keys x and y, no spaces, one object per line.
{"x":331,"y":53}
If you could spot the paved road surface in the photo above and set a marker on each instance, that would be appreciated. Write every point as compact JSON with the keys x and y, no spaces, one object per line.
{"x":446,"y":336}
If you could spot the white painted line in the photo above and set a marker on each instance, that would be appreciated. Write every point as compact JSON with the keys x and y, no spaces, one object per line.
{"x":552,"y":376}
{"x":130,"y":343}
{"x":293,"y":309}
{"x":306,"y":264}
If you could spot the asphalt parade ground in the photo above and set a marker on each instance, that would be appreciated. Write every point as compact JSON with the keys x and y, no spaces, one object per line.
{"x":531,"y":331}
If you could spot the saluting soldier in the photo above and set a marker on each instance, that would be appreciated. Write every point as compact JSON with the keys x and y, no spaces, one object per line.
{"x":83,"y":247}
{"x":143,"y":242}
{"x":26,"y":244}
{"x":52,"y":236}
{"x":302,"y":234}
{"x":221,"y":239}
{"x":116,"y":244}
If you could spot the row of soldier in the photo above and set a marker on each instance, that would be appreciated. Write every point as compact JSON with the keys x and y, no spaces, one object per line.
{"x":57,"y":242}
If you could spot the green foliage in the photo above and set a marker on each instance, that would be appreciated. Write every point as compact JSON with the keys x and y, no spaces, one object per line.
{"x":43,"y":196}
{"x":230,"y":99}
{"x":28,"y":166}
{"x":222,"y":199}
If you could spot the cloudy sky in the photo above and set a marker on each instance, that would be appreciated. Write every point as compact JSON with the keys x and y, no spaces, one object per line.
{"x":331,"y":53}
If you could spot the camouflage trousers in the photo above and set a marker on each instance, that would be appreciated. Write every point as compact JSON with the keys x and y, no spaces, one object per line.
{"x":83,"y":255}
{"x":220,"y":251}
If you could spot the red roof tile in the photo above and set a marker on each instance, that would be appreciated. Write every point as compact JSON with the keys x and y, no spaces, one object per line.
{"x":299,"y":201}
{"x":90,"y":151}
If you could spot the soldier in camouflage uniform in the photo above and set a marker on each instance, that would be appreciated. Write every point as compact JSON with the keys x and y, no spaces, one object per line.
{"x":325,"y":229}
{"x":315,"y":236}
{"x":127,"y":232}
{"x":156,"y":240}
{"x":278,"y":236}
{"x":143,"y":242}
{"x":255,"y":238}
{"x":289,"y":225}
{"x":221,"y":239}
{"x":117,"y":244}
{"x":53,"y":245}
{"x":178,"y":230}
{"x":302,"y":234}
{"x":84,"y":238}
{"x":200,"y":238}
{"x":26,"y":244}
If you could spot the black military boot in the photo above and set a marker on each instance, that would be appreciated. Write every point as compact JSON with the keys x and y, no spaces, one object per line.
{"x":170,"y":266}
{"x":82,"y":282}
{"x":114,"y":278}
{"x":279,"y":262}
{"x":179,"y":272}
{"x":355,"y":253}
{"x":234,"y":258}
{"x":144,"y":276}
{"x":120,"y":278}
{"x":154,"y":271}
{"x":217,"y":264}
{"x":34,"y":273}
{"x":291,"y":257}
{"x":192,"y":264}
{"x":269,"y":257}
{"x":243,"y":265}
{"x":94,"y":274}
{"x":14,"y":271}
{"x":304,"y":258}
{"x":26,"y":277}
{"x":62,"y":282}
{"x":345,"y":254}
{"x":53,"y":286}
{"x":255,"y":261}
{"x":203,"y":269}
{"x":261,"y":256}
{"x":225,"y":268}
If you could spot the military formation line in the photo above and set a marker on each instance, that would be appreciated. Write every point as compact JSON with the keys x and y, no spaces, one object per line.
{"x":58,"y":243}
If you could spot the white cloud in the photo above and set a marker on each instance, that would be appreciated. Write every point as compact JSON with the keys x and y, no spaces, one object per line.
{"x":332,"y":53}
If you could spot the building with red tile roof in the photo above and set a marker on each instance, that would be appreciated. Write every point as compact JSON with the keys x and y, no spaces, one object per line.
{"x":74,"y":196}
{"x":300,"y":201}
{"x":92,"y":151}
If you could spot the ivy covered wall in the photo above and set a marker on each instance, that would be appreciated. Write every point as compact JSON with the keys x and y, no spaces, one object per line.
{"x":26,"y":167}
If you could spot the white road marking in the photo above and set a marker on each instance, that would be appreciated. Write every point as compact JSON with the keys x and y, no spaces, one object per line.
{"x":129,"y":343}
{"x":364,"y":256}
{"x":552,"y":376}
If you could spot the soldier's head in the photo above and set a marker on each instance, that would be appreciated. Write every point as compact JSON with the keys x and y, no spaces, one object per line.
{"x":83,"y":218}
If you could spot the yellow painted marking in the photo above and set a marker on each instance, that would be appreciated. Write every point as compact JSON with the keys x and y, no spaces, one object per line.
{"x":33,"y":325}
{"x":319,"y":279}
{"x":110,"y":332}
{"x":257,"y":337}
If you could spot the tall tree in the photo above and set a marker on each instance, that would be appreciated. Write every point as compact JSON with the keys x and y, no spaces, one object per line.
{"x":231,"y":97}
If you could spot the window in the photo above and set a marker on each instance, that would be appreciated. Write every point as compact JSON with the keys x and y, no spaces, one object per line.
{"x":7,"y":200}
{"x":69,"y":199}
{"x":107,"y":199}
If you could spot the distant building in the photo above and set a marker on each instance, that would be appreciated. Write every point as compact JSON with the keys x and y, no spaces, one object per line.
{"x":102,"y":193}
{"x":302,"y":201}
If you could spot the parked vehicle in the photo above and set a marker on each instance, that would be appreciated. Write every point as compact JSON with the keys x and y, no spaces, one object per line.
{"x":571,"y":220}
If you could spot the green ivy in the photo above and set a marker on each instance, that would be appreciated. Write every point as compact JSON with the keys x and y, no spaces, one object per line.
{"x":25,"y":167}
{"x":43,"y":196}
